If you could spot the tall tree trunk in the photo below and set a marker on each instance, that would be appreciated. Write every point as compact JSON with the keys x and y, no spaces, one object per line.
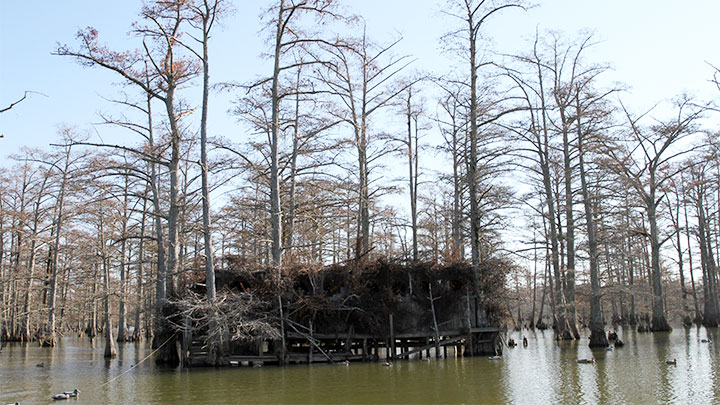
{"x":122,"y":310}
{"x":675,"y":218}
{"x":711,"y":317}
{"x":139,"y":307}
{"x":50,"y":337}
{"x":275,"y":213}
{"x":534,"y":288}
{"x":472,"y":161}
{"x":110,"y":350}
{"x":598,"y":338}
{"x":290,"y":229}
{"x":412,"y":176}
{"x":208,"y":16}
{"x":698,"y":317}
{"x":569,"y":233}
{"x":25,"y":334}
{"x":659,"y":318}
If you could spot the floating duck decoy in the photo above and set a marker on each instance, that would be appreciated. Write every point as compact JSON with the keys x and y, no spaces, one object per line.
{"x":40,"y":365}
{"x":704,"y":340}
{"x":495,"y":357}
{"x":66,"y":395}
{"x":426,"y":360}
{"x":586,"y":361}
{"x":257,"y":365}
{"x":525,"y":342}
{"x":671,"y":362}
{"x":344,"y":363}
{"x":387,"y":364}
{"x":609,"y":348}
{"x":612,"y":335}
{"x":619,"y":343}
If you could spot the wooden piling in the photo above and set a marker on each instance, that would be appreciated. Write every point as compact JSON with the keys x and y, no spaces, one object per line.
{"x":392,"y":339}
{"x":310,"y":346}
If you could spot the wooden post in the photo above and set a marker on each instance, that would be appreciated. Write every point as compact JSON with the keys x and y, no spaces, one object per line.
{"x":469,"y":342}
{"x":349,"y":339}
{"x":436,"y":329}
{"x":310,"y":346}
{"x":365,"y":348}
{"x":178,"y":349}
{"x":282,"y":355}
{"x":186,"y":341}
{"x":392,"y":339}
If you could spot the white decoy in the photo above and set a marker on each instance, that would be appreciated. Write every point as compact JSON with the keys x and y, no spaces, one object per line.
{"x":586,"y":361}
{"x":66,"y":395}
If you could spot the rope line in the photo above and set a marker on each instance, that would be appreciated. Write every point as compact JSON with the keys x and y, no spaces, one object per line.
{"x":136,"y":364}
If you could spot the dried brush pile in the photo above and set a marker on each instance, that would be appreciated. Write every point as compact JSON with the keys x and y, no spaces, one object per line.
{"x":337,"y":299}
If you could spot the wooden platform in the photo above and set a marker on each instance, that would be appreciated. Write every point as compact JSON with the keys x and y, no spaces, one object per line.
{"x":341,"y":347}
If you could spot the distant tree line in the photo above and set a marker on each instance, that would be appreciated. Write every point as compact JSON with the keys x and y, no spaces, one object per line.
{"x":613,"y":213}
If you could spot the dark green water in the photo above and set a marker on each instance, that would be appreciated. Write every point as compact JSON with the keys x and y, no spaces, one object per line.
{"x":544,"y":373}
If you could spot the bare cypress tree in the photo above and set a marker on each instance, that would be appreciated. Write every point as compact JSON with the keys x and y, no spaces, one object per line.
{"x":537,"y":135}
{"x":473,"y":15}
{"x":598,"y":338}
{"x":701,"y":192}
{"x":287,"y":36}
{"x":169,"y":69}
{"x":452,"y":125}
{"x":359,"y":75}
{"x":642,"y":172}
{"x":62,"y":165}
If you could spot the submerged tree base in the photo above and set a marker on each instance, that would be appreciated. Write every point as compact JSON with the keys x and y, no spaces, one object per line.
{"x":659,"y":324}
{"x":598,"y":339}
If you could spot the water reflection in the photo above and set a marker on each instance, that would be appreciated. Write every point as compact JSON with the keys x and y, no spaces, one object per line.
{"x":545,"y":372}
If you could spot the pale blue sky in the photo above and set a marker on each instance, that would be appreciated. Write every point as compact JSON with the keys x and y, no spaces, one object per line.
{"x":658,"y":47}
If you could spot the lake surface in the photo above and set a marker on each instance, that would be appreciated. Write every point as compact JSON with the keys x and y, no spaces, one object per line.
{"x":546,"y":372}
